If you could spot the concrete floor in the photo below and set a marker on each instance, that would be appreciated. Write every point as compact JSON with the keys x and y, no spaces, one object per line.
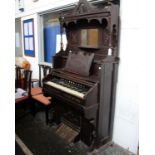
{"x":111,"y":150}
{"x":40,"y":139}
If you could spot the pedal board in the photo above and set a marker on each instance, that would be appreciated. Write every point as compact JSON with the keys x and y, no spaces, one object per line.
{"x":67,"y":132}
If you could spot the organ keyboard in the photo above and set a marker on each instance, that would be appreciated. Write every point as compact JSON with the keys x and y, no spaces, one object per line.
{"x":71,"y":88}
{"x":67,"y":90}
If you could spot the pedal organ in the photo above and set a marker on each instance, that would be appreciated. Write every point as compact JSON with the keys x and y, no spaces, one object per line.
{"x":83,"y":79}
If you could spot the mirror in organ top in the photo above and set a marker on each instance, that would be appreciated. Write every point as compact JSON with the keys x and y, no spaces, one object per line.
{"x":89,"y":38}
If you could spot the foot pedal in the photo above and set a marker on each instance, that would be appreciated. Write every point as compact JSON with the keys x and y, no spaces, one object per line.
{"x":66,"y":132}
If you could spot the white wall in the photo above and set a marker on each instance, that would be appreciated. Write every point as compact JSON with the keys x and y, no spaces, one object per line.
{"x":31,"y":7}
{"x":126,"y":113}
{"x":18,"y":36}
{"x":126,"y":127}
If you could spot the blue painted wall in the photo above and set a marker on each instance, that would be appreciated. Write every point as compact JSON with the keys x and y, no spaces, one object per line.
{"x":50,"y":33}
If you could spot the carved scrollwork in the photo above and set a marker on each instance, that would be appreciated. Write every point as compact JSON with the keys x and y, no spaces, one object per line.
{"x":83,"y":7}
{"x":106,"y":34}
{"x":114,"y":36}
{"x":73,"y":37}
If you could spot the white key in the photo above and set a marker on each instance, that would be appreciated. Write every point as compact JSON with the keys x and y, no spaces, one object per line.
{"x":65,"y":89}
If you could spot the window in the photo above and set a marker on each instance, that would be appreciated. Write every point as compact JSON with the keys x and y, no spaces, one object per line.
{"x":28,"y":31}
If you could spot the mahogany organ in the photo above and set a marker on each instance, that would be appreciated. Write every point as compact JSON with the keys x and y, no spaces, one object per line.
{"x":83,"y":79}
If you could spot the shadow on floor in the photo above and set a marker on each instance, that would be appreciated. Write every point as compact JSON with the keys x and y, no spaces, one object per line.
{"x":42,"y":140}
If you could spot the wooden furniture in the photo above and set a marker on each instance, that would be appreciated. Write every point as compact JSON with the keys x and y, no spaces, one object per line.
{"x":82,"y":83}
{"x":23,"y":82}
{"x":36,"y":92}
{"x":17,"y":77}
{"x":44,"y":69}
{"x":138,"y":150}
{"x":45,"y":103}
